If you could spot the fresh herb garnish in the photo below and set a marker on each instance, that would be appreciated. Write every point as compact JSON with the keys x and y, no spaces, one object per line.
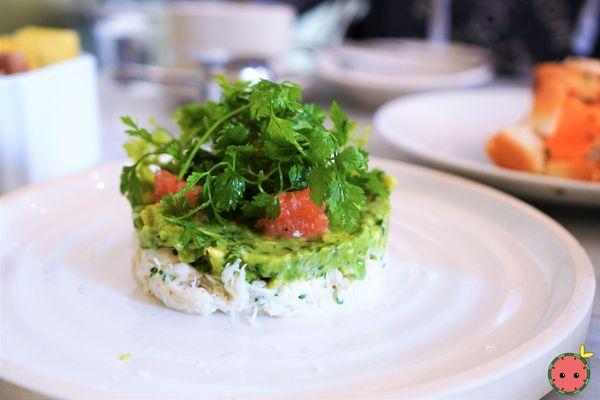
{"x":264,"y":141}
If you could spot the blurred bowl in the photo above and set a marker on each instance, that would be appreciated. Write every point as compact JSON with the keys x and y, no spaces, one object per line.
{"x":211,"y":31}
{"x":376,"y":71}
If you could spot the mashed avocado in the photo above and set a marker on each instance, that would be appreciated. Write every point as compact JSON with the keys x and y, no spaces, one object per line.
{"x":275,"y":260}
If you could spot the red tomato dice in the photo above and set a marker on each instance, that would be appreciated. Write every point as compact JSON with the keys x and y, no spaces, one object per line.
{"x":299,"y":217}
{"x":167,"y":183}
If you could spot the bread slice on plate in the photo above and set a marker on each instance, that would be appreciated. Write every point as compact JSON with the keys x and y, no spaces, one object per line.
{"x":561,"y":136}
{"x":555,"y":83}
{"x":548,"y":95}
{"x":517,"y":147}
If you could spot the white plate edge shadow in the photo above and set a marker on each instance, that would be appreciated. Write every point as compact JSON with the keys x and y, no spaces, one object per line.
{"x":574,"y":315}
{"x":503,"y":177}
{"x":471,"y":77}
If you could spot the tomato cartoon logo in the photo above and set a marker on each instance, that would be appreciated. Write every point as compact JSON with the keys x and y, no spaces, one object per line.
{"x":569,"y":373}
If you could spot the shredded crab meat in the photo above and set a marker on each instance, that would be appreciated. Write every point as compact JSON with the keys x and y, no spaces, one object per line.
{"x":181,"y":287}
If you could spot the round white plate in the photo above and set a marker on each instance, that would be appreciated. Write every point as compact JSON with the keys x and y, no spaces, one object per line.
{"x":481,"y":290}
{"x":448,"y":130}
{"x":379,"y":70}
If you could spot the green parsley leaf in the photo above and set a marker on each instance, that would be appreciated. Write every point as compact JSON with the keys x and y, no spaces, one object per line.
{"x":297,"y":175}
{"x":322,"y":145}
{"x":232,"y":134}
{"x":131,"y":186}
{"x":351,"y":159}
{"x":228,"y":190}
{"x":281,"y":132}
{"x":344,"y":203}
{"x":262,"y":204}
{"x":260,"y":104}
{"x":313,"y":113}
{"x":319,"y":181}
{"x":342,"y":126}
{"x":257,"y":142}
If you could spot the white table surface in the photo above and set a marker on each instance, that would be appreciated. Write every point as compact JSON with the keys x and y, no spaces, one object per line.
{"x":144,"y":101}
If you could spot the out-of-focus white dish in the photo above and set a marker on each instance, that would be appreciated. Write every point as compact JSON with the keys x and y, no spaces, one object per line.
{"x":217,"y":31}
{"x":379,"y":70}
{"x":448,"y":130}
{"x":481,"y":290}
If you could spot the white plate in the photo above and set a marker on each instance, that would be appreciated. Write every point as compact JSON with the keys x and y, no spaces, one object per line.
{"x":481,"y":290}
{"x":448,"y":130}
{"x":379,"y":70}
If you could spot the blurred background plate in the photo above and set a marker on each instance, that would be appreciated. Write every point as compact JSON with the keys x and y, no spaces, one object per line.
{"x":448,"y":130}
{"x":377,"y":70}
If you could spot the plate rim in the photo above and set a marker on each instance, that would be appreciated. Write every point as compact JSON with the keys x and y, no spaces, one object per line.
{"x":478,"y":74}
{"x":467,"y":166}
{"x":583,"y":291}
{"x":580,"y":301}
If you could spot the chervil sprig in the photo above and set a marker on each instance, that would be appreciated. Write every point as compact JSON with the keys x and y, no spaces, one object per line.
{"x":263,"y":141}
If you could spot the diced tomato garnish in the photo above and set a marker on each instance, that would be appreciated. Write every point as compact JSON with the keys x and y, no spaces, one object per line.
{"x":299,"y":217}
{"x":167,"y":183}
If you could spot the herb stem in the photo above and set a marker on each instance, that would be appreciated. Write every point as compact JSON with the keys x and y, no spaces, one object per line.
{"x":280,"y":177}
{"x":209,"y":200}
{"x":249,"y":180}
{"x":205,"y":137}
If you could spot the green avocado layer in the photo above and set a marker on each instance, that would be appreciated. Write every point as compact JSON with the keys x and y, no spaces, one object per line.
{"x":275,"y":260}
